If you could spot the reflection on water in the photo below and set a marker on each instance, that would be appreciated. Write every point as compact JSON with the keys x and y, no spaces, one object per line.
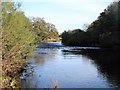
{"x":70,"y":67}
{"x":107,"y":64}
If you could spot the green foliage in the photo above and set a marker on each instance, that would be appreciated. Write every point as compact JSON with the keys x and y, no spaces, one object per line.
{"x":102,"y":32}
{"x":43,"y":30}
{"x":72,"y":37}
{"x":17,"y":39}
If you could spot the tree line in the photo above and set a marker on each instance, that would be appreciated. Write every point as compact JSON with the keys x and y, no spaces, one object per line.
{"x":19,"y":37}
{"x":44,"y":31}
{"x":103,"y":32}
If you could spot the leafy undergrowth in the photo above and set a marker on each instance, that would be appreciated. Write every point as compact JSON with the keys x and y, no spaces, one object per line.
{"x":10,"y":73}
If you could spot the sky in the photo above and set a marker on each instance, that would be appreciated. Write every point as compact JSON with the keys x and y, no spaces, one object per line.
{"x":65,"y":14}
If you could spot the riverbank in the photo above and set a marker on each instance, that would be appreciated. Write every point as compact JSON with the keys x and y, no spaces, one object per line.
{"x":95,"y":47}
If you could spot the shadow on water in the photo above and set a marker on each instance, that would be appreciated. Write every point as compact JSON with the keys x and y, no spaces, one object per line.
{"x":107,"y":63}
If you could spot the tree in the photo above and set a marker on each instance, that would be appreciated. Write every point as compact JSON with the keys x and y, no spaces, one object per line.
{"x":43,"y":30}
{"x":85,"y":26}
{"x":102,"y":32}
{"x":17,"y":42}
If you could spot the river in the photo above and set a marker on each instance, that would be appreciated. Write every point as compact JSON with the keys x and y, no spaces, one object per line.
{"x":69,"y":67}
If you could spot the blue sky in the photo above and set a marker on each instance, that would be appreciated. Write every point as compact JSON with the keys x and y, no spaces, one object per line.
{"x":65,"y":14}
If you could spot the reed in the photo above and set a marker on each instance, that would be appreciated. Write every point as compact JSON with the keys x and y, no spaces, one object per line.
{"x":55,"y":85}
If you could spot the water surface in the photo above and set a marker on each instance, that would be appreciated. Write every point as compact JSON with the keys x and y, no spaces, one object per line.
{"x":68,"y":67}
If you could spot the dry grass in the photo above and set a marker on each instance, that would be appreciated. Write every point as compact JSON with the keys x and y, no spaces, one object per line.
{"x":55,"y":84}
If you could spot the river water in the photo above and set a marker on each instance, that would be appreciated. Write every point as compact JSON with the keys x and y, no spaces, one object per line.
{"x":69,"y":67}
